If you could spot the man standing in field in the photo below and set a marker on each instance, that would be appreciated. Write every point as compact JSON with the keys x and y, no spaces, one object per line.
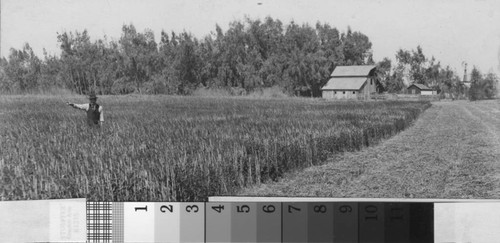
{"x":94,"y":111}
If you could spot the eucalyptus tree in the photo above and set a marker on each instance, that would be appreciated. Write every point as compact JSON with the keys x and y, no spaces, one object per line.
{"x":139,"y":60}
{"x":23,"y":69}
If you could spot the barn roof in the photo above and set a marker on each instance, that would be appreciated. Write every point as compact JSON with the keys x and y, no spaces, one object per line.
{"x":352,"y":71}
{"x":421,"y":87}
{"x":345,"y":83}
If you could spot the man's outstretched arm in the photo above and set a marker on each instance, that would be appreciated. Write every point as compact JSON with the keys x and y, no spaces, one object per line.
{"x":79,"y":106}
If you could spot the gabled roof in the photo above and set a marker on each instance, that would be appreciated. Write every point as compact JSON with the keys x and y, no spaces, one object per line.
{"x":420,"y":86}
{"x":345,"y":83}
{"x":352,"y":71}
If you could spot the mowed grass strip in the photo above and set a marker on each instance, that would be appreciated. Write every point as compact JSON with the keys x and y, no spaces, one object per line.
{"x":161,"y":148}
{"x":452,"y":151}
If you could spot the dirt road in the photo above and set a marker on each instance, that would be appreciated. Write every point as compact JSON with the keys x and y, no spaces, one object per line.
{"x":452,"y":151}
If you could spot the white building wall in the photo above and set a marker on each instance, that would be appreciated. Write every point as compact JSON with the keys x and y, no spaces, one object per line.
{"x":327,"y":94}
{"x":340,"y":94}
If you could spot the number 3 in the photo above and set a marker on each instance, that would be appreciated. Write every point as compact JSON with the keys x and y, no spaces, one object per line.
{"x":193,"y":208}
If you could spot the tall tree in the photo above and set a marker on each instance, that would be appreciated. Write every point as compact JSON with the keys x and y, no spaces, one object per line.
{"x":51,"y":75}
{"x":384,"y":72}
{"x":490,"y":85}
{"x":413,"y":64}
{"x":187,"y":63}
{"x":23,"y":69}
{"x":431,"y":73}
{"x":475,"y":91}
{"x":357,"y":48}
{"x":483,"y":86}
{"x":140,"y":59}
{"x":396,"y":83}
{"x":77,"y":58}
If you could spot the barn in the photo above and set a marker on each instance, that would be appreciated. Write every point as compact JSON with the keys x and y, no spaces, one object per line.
{"x":351,"y":82}
{"x":421,"y":90}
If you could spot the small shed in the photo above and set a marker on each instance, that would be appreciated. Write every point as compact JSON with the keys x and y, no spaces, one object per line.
{"x":351,"y":82}
{"x":421,"y":90}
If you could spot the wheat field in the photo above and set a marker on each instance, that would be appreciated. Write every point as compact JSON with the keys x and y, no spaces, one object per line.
{"x":167,"y":148}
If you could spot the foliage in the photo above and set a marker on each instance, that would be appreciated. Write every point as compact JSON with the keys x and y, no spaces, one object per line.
{"x":356,"y":48}
{"x":249,"y":56}
{"x":22,"y":69}
{"x":482,"y":86}
{"x":138,"y":56}
{"x":163,"y":148}
{"x":414,"y":67}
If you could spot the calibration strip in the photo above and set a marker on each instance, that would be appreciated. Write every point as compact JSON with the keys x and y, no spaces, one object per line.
{"x":78,"y":220}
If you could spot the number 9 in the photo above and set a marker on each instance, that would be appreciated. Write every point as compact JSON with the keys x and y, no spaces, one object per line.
{"x":268,"y":208}
{"x":345,"y":209}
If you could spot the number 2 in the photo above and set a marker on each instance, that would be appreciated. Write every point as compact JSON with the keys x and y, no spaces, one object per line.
{"x":163,"y":208}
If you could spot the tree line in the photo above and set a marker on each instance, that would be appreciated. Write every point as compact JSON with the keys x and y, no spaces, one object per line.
{"x":249,"y":56}
{"x":415,"y":67}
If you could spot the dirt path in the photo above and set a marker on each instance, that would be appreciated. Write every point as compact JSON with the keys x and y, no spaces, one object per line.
{"x":452,"y":151}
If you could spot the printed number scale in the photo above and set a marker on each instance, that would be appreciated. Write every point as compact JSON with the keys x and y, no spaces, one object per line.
{"x":299,"y":220}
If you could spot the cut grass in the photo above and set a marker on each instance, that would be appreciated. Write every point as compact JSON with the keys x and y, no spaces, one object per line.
{"x":453,"y":151}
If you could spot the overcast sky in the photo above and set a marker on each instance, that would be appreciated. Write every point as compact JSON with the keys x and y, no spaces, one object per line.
{"x":452,"y":31}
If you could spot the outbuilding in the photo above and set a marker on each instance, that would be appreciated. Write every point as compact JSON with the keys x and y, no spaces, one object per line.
{"x":351,"y":82}
{"x":421,"y":90}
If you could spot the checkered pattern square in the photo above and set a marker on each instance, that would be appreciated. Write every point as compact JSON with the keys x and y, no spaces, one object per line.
{"x":99,"y":222}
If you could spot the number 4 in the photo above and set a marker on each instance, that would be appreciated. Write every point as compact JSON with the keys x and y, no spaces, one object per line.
{"x":218,"y":208}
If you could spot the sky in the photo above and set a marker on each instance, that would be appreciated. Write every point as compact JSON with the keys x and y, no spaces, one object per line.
{"x":453,"y":32}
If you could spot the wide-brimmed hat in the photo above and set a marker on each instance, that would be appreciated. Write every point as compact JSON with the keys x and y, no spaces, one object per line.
{"x":92,"y":95}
